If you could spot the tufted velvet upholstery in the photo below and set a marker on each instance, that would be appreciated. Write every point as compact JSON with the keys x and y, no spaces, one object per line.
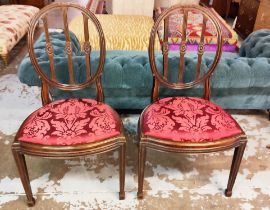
{"x":69,"y":122}
{"x":238,"y":82}
{"x":58,"y":42}
{"x":256,"y":44}
{"x":186,"y":119}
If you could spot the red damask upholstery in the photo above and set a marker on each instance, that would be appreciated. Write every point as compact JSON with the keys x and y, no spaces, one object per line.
{"x":188,"y":119}
{"x":69,"y":122}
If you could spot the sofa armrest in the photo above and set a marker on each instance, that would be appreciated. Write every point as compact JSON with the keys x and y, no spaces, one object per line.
{"x":257,"y":44}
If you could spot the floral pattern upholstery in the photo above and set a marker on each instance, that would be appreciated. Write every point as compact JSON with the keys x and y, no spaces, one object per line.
{"x":14,"y":23}
{"x":70,"y":121}
{"x":187,"y":119}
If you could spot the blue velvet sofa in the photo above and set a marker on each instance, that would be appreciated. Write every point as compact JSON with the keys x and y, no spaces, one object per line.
{"x":241,"y":81}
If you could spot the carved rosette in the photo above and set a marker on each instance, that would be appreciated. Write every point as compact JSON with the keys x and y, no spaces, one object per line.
{"x":87,"y":48}
{"x":49,"y":49}
{"x":183,"y":48}
{"x":68,"y":48}
{"x":201,"y":48}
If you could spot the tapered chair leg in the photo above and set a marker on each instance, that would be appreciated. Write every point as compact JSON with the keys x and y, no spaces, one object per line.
{"x":141,"y":167}
{"x":21,"y":165}
{"x":237,"y":158}
{"x":122,"y":167}
{"x":5,"y":59}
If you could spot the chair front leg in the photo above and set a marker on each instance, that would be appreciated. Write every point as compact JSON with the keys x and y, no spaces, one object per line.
{"x":122,"y":167}
{"x":141,"y":167}
{"x":22,"y":168}
{"x":237,"y":158}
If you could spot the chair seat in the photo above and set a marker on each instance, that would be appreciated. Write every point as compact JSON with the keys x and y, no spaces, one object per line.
{"x":69,"y":122}
{"x":187,"y":119}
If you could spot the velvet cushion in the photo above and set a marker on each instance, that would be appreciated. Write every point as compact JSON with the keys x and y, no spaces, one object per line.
{"x":187,"y":119}
{"x":69,"y":122}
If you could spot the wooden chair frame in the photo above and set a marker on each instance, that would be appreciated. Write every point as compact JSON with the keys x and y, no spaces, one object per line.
{"x":20,"y":148}
{"x":5,"y":58}
{"x":146,"y":142}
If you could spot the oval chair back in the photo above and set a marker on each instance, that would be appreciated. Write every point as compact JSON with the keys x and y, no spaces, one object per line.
{"x":174,"y":26}
{"x":77,"y":75}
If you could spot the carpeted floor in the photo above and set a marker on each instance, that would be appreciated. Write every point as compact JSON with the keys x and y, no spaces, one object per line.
{"x":173,"y":181}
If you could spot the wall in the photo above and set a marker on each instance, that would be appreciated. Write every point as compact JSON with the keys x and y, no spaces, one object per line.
{"x":168,"y":3}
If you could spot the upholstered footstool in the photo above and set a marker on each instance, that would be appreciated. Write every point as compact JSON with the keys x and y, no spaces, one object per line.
{"x":14,"y":22}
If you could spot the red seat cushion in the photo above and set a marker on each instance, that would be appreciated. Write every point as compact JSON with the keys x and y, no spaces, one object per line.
{"x":187,"y":119}
{"x":70,"y":121}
